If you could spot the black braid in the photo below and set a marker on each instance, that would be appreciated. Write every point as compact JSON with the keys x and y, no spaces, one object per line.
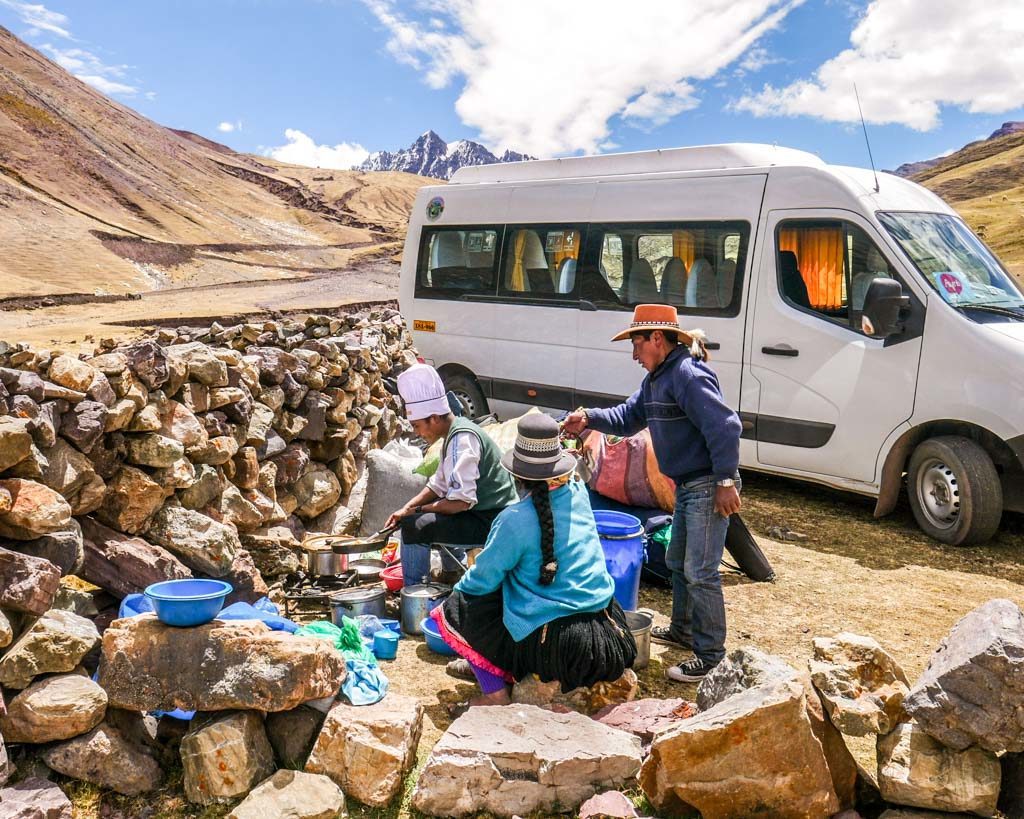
{"x":542,"y":503}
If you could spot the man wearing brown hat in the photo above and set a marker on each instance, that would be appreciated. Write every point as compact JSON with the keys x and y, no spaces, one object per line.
{"x":696,"y":440}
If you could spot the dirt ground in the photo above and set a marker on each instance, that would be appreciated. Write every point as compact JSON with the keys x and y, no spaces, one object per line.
{"x":852,"y":573}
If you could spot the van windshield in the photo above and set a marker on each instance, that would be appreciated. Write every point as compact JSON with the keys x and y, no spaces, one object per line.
{"x":954,"y":261}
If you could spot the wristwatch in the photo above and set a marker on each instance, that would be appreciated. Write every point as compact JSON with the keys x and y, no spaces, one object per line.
{"x":417,"y":510}
{"x":726,"y":482}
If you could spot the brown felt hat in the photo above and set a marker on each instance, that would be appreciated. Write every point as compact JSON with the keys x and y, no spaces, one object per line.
{"x":655,"y":317}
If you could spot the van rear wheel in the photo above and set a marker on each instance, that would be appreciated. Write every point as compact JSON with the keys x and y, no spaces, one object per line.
{"x":954,"y":490}
{"x":468,"y":392}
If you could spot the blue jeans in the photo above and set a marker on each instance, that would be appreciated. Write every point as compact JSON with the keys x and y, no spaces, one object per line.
{"x":416,"y":562}
{"x":693,"y":556}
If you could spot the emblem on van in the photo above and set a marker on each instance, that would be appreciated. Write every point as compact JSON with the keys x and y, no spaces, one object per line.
{"x":435,"y":207}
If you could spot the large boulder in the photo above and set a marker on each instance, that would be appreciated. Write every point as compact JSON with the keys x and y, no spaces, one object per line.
{"x":222,"y":665}
{"x":292,"y":795}
{"x":56,"y":708}
{"x":203,"y":364}
{"x":369,"y":749}
{"x":316,"y":491}
{"x":27,"y":583}
{"x":201,"y":543}
{"x":72,"y":373}
{"x":646,"y":718}
{"x":15,"y":441}
{"x":84,"y":424}
{"x":725,"y":762}
{"x":274,"y":549}
{"x":915,"y":770}
{"x":35,"y":798}
{"x":36,"y":510}
{"x":124,"y":565}
{"x":131,"y":499}
{"x":517,"y":759}
{"x":224,"y":756}
{"x":55,"y":642}
{"x":153,"y":449}
{"x":106,"y":757}
{"x":72,"y":475}
{"x":971,"y":691}
{"x":64,"y":549}
{"x":293,"y":733}
{"x":861,"y":685}
{"x":747,"y":668}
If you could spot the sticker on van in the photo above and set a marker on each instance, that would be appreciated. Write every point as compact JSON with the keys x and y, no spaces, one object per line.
{"x":424,"y":326}
{"x":435,"y":207}
{"x":952,"y":286}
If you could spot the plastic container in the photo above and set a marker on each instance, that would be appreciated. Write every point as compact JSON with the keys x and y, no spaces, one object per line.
{"x":186,"y":603}
{"x":392,"y":577}
{"x":385,"y":644}
{"x":623,"y":543}
{"x":394,"y":625}
{"x":435,"y":642}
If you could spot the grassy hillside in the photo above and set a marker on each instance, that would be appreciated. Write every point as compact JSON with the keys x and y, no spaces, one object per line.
{"x":985,"y":182}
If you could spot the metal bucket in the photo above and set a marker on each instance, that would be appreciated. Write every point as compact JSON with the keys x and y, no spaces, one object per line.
{"x":417,"y":603}
{"x":353,"y":602}
{"x":639,"y":623}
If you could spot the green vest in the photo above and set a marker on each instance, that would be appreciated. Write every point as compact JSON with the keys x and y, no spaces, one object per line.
{"x":495,"y":488}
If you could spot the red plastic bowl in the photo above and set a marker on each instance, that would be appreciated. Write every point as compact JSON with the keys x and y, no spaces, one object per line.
{"x":392,"y":577}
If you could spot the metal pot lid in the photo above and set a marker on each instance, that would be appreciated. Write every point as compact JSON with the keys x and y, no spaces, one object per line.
{"x":317,"y":547}
{"x":363,"y":594}
{"x":425,"y":590}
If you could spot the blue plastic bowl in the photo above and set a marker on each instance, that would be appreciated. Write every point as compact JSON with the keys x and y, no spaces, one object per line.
{"x":433,"y":637}
{"x":188,"y":602}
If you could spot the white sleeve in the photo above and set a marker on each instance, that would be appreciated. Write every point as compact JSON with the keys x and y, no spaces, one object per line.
{"x":462,"y":467}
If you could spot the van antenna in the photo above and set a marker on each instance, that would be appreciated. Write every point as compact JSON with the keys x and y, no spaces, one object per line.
{"x":866,"y":140}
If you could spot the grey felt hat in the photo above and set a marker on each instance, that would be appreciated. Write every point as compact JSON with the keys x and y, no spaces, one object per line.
{"x":538,"y":455}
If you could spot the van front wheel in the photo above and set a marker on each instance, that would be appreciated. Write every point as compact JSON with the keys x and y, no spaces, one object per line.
{"x":954,"y":490}
{"x":469,"y":394}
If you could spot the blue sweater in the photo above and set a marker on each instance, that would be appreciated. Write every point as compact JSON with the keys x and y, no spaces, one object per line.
{"x":693,"y":431}
{"x":511,"y":560}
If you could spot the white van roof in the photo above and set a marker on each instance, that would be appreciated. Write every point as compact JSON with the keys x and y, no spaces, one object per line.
{"x":699,"y":158}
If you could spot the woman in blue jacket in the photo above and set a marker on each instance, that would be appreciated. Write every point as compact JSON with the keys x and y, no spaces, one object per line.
{"x":539,"y":599}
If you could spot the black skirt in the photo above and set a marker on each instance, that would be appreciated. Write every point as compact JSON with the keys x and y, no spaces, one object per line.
{"x":576,"y":650}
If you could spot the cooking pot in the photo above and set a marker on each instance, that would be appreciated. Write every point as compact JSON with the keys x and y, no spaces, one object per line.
{"x":353,"y":602}
{"x":418,"y":601}
{"x":639,"y":623}
{"x":322,"y":561}
{"x":367,"y":569}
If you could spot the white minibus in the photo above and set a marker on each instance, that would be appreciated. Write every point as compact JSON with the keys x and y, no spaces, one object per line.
{"x":857,"y":325}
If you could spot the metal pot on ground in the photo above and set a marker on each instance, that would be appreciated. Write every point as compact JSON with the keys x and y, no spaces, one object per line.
{"x":417,"y":603}
{"x":357,"y":601}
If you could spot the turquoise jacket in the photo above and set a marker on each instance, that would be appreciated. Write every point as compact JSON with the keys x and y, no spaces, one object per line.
{"x":511,"y":560}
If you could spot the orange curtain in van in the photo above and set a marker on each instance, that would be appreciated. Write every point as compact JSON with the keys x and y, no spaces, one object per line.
{"x":518,"y":282}
{"x":684,"y":246}
{"x":819,"y":254}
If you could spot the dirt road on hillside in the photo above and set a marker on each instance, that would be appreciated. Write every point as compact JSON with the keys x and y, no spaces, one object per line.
{"x":67,"y":326}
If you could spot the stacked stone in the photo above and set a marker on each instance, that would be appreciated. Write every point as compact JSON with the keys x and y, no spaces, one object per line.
{"x":192,"y":452}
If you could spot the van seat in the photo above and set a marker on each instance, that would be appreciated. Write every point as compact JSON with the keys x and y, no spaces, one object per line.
{"x":793,"y":285}
{"x":701,"y":285}
{"x":726,"y":282}
{"x":566,"y":276}
{"x":673,"y":282}
{"x":642,"y":288}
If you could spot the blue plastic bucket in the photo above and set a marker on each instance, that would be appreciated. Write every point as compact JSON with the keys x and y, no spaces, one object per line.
{"x":623,"y":543}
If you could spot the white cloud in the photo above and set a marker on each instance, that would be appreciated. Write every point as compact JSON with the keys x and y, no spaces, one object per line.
{"x":908,"y":59}
{"x":108,"y":87}
{"x":302,"y":150}
{"x":229,"y":127}
{"x":90,"y":69}
{"x":756,"y":59}
{"x":39,"y":18}
{"x":547,"y":78}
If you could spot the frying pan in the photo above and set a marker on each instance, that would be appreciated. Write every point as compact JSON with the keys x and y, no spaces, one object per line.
{"x":346,"y":545}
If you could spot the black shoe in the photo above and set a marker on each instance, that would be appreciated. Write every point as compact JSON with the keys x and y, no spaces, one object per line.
{"x":664,"y":636}
{"x":693,"y":670}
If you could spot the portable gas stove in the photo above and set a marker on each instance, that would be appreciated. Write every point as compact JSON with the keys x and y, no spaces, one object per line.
{"x":311,"y":596}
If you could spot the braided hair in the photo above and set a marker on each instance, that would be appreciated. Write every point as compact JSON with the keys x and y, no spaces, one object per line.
{"x":542,"y":503}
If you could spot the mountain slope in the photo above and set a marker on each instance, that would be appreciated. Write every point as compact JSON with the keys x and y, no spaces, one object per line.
{"x":431,"y":156}
{"x":96,"y":198}
{"x":984,"y":181}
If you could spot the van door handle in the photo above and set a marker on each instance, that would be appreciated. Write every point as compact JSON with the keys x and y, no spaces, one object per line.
{"x":781,"y":349}
{"x":712,"y":345}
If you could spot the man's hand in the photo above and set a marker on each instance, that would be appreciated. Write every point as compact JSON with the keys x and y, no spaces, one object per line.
{"x":575,"y":422}
{"x":727,"y":500}
{"x":396,"y":517}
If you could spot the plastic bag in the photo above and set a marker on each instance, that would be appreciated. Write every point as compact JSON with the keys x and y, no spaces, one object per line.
{"x":346,"y":639}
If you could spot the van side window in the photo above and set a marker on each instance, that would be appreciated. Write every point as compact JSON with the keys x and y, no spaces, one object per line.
{"x":457,"y":262}
{"x":541,"y":261}
{"x":698,"y":267}
{"x":825,"y":267}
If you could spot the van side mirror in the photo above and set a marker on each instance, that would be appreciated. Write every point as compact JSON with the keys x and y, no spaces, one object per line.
{"x":883,"y":306}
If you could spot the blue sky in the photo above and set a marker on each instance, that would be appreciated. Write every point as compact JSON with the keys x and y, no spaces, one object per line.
{"x":336,"y":78}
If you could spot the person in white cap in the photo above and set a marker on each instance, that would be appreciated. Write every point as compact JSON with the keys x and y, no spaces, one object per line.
{"x":465,"y":494}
